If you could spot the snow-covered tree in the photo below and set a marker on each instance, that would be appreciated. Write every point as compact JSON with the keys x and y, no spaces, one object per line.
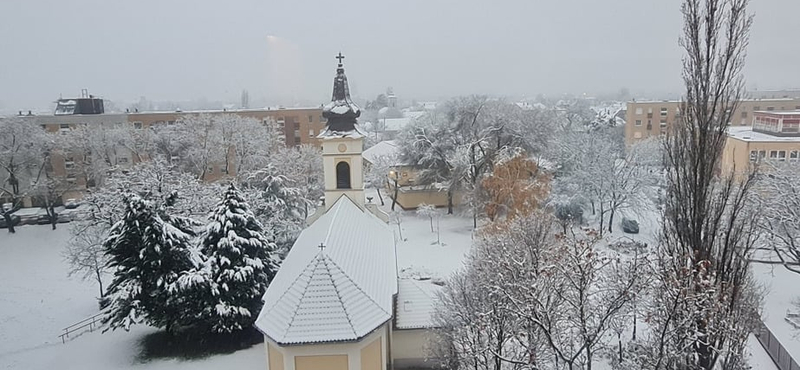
{"x":706,"y":304}
{"x":86,"y":254}
{"x":779,"y":199}
{"x":147,"y":254}
{"x":24,"y":154}
{"x":277,"y":204}
{"x":302,"y":167}
{"x":240,"y":260}
{"x":250,"y":143}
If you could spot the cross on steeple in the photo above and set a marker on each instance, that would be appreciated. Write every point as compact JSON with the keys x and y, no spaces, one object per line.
{"x":340,"y":57}
{"x":321,"y":247}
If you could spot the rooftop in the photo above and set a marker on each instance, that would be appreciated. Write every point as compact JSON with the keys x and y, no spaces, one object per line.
{"x":746,"y":133}
{"x":341,"y":293}
{"x":779,"y":113}
{"x":416,"y":303}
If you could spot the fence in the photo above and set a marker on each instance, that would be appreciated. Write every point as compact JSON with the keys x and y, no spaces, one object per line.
{"x":776,"y":350}
{"x":80,"y":326}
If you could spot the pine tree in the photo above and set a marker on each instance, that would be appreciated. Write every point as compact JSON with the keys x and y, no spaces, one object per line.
{"x":147,"y":255}
{"x":240,"y":259}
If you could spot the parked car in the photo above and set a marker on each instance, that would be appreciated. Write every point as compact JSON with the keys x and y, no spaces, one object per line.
{"x":71,"y":204}
{"x":43,"y":219}
{"x":14,"y":221}
{"x":630,"y":226}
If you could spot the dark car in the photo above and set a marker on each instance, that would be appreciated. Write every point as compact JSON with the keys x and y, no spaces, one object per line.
{"x":630,"y":226}
{"x":43,"y":219}
{"x":71,"y":204}
{"x":14,"y":221}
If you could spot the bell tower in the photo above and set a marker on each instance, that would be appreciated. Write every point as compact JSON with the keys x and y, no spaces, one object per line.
{"x":342,"y":144}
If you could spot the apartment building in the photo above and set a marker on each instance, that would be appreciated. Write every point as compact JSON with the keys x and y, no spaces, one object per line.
{"x":648,"y":119}
{"x":774,"y":136}
{"x":299,"y":125}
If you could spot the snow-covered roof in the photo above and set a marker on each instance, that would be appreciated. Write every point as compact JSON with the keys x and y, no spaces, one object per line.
{"x":341,"y":293}
{"x":333,"y":134}
{"x":416,"y":303}
{"x":386,"y":149}
{"x":746,"y":133}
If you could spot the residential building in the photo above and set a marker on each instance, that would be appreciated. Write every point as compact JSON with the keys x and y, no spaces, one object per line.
{"x":649,"y":119}
{"x":774,"y":136}
{"x":334,"y":302}
{"x":299,"y":125}
{"x":402,"y":177}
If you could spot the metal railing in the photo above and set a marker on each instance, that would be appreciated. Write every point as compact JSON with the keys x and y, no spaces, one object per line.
{"x":782,"y":359}
{"x":92,"y":323}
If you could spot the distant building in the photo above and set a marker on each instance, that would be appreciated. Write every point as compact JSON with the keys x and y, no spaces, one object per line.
{"x":774,"y":136}
{"x":649,"y":119}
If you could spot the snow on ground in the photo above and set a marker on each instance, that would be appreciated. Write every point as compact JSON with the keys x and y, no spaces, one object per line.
{"x":37,"y":300}
{"x":783,"y":287}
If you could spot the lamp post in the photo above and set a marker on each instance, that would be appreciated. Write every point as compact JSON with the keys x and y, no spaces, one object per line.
{"x":394,"y":176}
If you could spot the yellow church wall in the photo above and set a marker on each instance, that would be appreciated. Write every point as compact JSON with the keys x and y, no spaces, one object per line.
{"x":275,"y":358}
{"x":370,"y":350}
{"x":371,"y":358}
{"x":335,"y":362}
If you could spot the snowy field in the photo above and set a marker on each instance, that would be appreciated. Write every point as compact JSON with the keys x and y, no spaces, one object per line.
{"x":37,"y":299}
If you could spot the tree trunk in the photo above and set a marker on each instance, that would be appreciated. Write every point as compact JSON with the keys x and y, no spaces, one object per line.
{"x":7,"y":217}
{"x":53,"y":216}
{"x":99,"y":282}
{"x":619,"y":342}
{"x":588,"y":357}
{"x":593,"y":211}
{"x":394,"y":199}
{"x":602,"y":219}
{"x":611,"y":221}
{"x":449,"y":201}
{"x":379,"y":195}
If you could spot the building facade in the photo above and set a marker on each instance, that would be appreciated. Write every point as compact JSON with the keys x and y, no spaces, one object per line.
{"x":651,"y":119}
{"x":774,"y":136}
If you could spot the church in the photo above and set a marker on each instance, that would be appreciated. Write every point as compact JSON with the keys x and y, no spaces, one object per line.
{"x":337,"y":303}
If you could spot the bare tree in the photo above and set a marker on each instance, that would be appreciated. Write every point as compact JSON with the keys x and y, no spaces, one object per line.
{"x":24,"y":153}
{"x":779,"y":190}
{"x":85,"y":253}
{"x":705,"y":303}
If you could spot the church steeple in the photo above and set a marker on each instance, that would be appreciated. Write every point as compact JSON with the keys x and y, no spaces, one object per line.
{"x":342,"y":144}
{"x":341,"y":113}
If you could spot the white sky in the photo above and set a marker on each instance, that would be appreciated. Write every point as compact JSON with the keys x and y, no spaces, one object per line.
{"x":182,"y":49}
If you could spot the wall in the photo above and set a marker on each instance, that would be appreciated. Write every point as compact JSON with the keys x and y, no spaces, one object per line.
{"x":300,"y":357}
{"x":736,"y":155}
{"x":410,"y":347}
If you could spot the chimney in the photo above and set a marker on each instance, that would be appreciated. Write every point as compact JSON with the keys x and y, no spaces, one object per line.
{"x":20,"y":113}
{"x":30,"y":113}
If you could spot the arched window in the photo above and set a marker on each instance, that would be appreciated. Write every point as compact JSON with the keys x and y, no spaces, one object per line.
{"x":342,"y":175}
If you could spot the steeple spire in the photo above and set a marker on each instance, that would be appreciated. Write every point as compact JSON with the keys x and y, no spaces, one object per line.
{"x":341,"y":112}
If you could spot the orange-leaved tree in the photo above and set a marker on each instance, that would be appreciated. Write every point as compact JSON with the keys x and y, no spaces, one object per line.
{"x":516,"y":187}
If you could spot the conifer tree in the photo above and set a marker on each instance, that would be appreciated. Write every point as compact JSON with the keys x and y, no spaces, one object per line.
{"x":240,"y":261}
{"x":147,"y":255}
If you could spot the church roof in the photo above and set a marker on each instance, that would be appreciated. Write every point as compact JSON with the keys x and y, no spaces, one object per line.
{"x":341,"y":292}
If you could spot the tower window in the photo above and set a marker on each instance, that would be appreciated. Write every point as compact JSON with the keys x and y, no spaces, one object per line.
{"x":342,"y":175}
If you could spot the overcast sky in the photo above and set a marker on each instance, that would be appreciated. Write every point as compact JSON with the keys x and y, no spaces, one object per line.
{"x":188,"y":49}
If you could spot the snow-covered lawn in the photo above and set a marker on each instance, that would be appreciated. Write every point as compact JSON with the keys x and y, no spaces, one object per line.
{"x":37,"y":299}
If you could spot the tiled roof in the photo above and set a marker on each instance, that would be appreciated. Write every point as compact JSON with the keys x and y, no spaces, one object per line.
{"x":416,"y":303}
{"x":339,"y":293}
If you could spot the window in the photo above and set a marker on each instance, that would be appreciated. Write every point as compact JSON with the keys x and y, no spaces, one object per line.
{"x":158,"y":123}
{"x":122,"y":160}
{"x":649,"y":110}
{"x":170,"y":123}
{"x":311,"y":132}
{"x":793,"y":156}
{"x":782,"y":155}
{"x":663,"y":123}
{"x":281,"y":122}
{"x":753,"y":156}
{"x":63,"y":128}
{"x":342,"y":175}
{"x":773,"y":154}
{"x":638,"y":122}
{"x":770,"y":109}
{"x":649,"y":125}
{"x":761,"y":155}
{"x":71,"y":179}
{"x":756,"y":108}
{"x":137,"y":125}
{"x":69,"y":164}
{"x":649,"y":115}
{"x":638,"y":110}
{"x":744,"y":114}
{"x":210,"y":170}
{"x":310,"y":119}
{"x":663,"y":112}
{"x":797,"y":107}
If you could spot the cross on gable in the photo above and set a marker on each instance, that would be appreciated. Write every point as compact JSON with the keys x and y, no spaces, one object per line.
{"x":340,"y":57}
{"x":321,"y":247}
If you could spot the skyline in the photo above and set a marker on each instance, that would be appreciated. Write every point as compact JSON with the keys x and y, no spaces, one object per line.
{"x":283,"y":50}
